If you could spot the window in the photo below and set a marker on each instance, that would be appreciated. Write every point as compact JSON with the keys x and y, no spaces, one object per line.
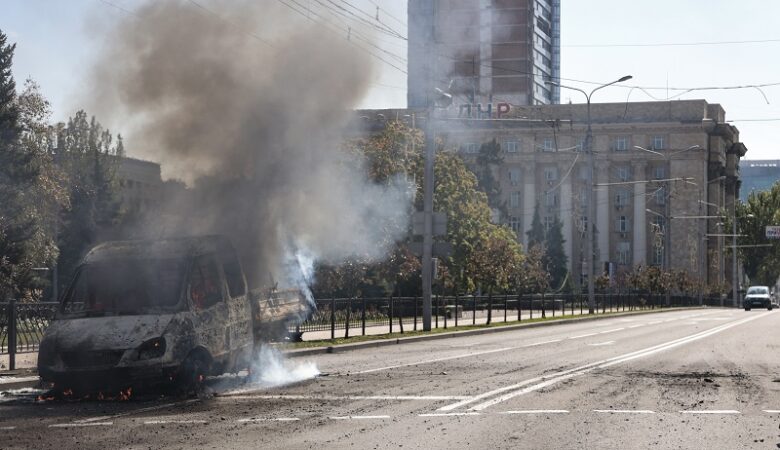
{"x":658,"y":143}
{"x":514,"y":177}
{"x":658,"y":256}
{"x":514,"y":223}
{"x":548,"y":144}
{"x":658,"y":225}
{"x":623,"y":254}
{"x":621,"y":144}
{"x":659,"y":173}
{"x":623,"y":173}
{"x":550,"y":173}
{"x":583,"y":224}
{"x":551,"y":199}
{"x":514,"y":200}
{"x":621,"y":198}
{"x":580,"y":145}
{"x":660,"y":196}
{"x":233,"y":275}
{"x":470,"y":147}
{"x":205,"y":289}
{"x":548,"y":221}
{"x":622,"y":224}
{"x":511,"y":146}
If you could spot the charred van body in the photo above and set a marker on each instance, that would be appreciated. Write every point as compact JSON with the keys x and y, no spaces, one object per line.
{"x":148,"y":312}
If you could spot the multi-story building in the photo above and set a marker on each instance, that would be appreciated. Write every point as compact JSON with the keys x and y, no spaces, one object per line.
{"x":758,"y":175}
{"x":657,"y":165}
{"x":491,"y":50}
{"x":140,"y":183}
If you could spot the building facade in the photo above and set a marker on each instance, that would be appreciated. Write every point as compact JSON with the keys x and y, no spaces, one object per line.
{"x":140,"y":184}
{"x":758,"y":175}
{"x":490,"y":50}
{"x":680,"y":181}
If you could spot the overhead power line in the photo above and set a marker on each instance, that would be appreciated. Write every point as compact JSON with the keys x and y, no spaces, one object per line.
{"x":673,"y":44}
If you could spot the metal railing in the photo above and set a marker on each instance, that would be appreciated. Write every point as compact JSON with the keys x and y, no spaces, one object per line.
{"x":22,"y":326}
{"x":400,"y":314}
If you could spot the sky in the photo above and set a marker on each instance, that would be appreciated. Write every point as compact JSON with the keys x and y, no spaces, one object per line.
{"x":602,"y":40}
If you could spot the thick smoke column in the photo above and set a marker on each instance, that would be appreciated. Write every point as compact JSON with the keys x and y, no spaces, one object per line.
{"x":247,"y":107}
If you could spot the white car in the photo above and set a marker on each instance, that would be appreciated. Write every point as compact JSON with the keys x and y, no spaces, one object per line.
{"x":757,"y":296}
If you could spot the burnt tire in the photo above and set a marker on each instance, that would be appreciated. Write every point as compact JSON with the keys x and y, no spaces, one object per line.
{"x":192,"y":374}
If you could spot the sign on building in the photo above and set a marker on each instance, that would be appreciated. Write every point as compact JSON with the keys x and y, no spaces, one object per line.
{"x":773,"y":231}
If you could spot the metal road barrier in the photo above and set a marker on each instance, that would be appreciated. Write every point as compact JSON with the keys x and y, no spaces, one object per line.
{"x":399,"y":314}
{"x":22,"y":326}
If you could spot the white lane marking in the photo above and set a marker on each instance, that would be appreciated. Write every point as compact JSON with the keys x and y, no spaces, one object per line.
{"x":486,"y":352}
{"x":135,"y":411}
{"x":428,"y":361}
{"x":714,"y":411}
{"x":612,"y":330}
{"x":540,"y":343}
{"x":358,"y":417}
{"x":276,"y":419}
{"x":772,"y":411}
{"x":165,"y":422}
{"x":584,"y":335}
{"x":90,"y":424}
{"x":345,"y":397}
{"x":537,"y":411}
{"x":637,"y":325}
{"x":601,"y":343}
{"x":624,"y":411}
{"x":449,"y":414}
{"x":8,"y":428}
{"x":547,"y":380}
{"x":14,"y":380}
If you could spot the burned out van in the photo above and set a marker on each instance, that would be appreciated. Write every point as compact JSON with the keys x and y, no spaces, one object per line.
{"x":150,"y":311}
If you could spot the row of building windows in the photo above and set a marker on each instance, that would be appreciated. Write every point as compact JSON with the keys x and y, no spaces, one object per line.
{"x":548,"y":144}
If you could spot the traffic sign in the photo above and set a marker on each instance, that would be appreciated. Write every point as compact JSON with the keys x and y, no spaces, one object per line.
{"x":773,"y":231}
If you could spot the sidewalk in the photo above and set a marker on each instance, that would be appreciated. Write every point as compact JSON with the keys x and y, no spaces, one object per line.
{"x":355,"y":328}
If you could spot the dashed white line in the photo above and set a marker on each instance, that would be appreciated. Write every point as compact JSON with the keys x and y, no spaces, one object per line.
{"x":8,"y":428}
{"x":599,"y":344}
{"x":713,"y":411}
{"x":624,"y":411}
{"x":345,"y":397}
{"x":447,"y":358}
{"x":583,"y":335}
{"x":772,"y":411}
{"x":277,"y":419}
{"x":449,"y":414}
{"x":537,"y":411}
{"x":174,"y":422}
{"x":637,"y":325}
{"x":358,"y":417}
{"x":135,"y":411}
{"x":612,"y":330}
{"x":534,"y":344}
{"x":88,"y":424}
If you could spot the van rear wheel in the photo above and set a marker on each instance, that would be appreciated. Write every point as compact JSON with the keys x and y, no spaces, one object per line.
{"x":192,"y":374}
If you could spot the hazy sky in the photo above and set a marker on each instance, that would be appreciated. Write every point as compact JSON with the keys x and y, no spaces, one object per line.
{"x":57,"y":41}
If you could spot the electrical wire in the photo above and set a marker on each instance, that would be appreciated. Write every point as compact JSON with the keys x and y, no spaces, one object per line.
{"x":673,"y":44}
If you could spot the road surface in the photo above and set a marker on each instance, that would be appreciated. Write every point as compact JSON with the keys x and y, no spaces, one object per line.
{"x":706,"y":378}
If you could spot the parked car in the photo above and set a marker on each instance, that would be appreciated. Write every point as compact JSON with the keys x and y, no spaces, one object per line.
{"x":758,"y":297}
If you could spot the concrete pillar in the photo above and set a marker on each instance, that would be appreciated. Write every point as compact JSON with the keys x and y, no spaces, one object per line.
{"x":639,"y":245}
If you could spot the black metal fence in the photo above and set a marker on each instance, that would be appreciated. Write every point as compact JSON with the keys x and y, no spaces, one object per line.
{"x":22,"y":326}
{"x":400,"y":314}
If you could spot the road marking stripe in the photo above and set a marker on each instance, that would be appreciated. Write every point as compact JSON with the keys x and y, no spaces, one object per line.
{"x":358,"y":417}
{"x":547,"y":380}
{"x":89,"y":424}
{"x":599,"y":344}
{"x":624,"y":411}
{"x":135,"y":411}
{"x":344,"y":397}
{"x":637,"y":325}
{"x":772,"y":411}
{"x":612,"y":330}
{"x":276,"y":419}
{"x":449,"y":414}
{"x":584,"y":335}
{"x":537,"y":411}
{"x":164,"y":422}
{"x":715,"y":411}
{"x":8,"y":428}
{"x":540,"y":343}
{"x":447,"y":358}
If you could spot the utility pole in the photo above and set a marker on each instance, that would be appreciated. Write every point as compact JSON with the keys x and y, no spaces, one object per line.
{"x":591,"y":192}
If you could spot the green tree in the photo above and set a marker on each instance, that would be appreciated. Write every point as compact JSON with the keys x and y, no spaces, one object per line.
{"x":89,"y":157}
{"x":536,"y":235}
{"x":762,"y":264}
{"x":555,"y":254}
{"x":488,"y":162}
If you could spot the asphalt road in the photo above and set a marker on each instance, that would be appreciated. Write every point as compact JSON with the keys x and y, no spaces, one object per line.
{"x":686,"y":379}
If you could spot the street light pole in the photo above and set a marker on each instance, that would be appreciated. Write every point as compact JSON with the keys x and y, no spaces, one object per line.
{"x":589,"y":248}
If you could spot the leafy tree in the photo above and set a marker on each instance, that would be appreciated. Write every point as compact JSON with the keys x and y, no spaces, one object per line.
{"x":488,"y":162}
{"x":762,"y":264}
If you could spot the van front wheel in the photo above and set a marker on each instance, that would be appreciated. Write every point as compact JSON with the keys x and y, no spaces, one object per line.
{"x":192,"y":374}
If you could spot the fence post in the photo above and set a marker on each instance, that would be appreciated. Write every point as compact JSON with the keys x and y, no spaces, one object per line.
{"x":544,"y":305}
{"x":12,"y":335}
{"x":346,"y":319}
{"x":531,"y":309}
{"x":505,"y":306}
{"x":474,"y":310}
{"x":572,"y":304}
{"x":519,"y":308}
{"x":436,"y":311}
{"x":363,"y":317}
{"x":456,"y":310}
{"x":490,"y":307}
{"x":392,"y":316}
{"x":445,"y":311}
{"x":415,"y":313}
{"x":333,"y":318}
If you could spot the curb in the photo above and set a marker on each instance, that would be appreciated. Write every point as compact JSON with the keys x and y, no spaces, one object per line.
{"x":446,"y":335}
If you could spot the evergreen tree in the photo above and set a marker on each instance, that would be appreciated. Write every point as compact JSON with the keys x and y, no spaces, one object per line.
{"x":536,"y":235}
{"x":488,"y":161}
{"x":555,"y":255}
